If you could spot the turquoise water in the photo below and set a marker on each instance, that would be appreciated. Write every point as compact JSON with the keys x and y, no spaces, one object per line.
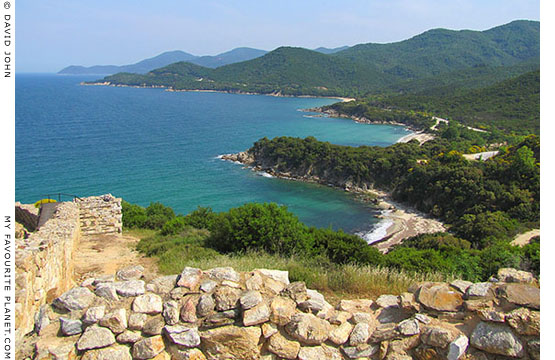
{"x":149,"y":145}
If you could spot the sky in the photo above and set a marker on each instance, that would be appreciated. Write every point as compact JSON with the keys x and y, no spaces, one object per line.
{"x":52,"y":34}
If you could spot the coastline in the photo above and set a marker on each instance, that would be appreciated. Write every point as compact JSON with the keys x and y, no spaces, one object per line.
{"x":398,"y":221}
{"x":170,"y":89}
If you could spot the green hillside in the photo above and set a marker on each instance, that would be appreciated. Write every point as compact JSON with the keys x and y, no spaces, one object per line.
{"x":367,"y":68}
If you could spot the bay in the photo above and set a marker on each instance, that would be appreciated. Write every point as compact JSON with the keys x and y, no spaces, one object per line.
{"x":149,"y":145}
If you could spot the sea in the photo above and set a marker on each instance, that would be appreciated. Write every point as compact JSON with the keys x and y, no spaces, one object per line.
{"x":152,"y":145}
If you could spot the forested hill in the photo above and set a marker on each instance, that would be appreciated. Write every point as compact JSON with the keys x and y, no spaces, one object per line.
{"x":365,"y":68}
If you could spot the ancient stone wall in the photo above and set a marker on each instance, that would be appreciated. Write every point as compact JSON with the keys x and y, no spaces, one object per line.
{"x":44,"y":265}
{"x":223,"y":314}
{"x":100,"y":215}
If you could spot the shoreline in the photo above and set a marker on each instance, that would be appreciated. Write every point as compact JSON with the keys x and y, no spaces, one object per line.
{"x":402,"y":221}
{"x":238,"y":92}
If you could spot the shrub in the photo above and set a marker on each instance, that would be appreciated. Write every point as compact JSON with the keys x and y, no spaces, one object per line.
{"x":133,"y":216}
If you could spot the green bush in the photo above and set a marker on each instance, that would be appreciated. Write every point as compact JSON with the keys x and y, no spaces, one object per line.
{"x":344,"y":248}
{"x":133,"y":216}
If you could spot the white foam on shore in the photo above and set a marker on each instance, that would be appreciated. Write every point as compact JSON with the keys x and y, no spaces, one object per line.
{"x":265,"y":174}
{"x":378,"y":232}
{"x":221,"y":157}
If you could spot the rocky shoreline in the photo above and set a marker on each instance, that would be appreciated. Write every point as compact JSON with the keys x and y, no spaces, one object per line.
{"x":406,"y":222}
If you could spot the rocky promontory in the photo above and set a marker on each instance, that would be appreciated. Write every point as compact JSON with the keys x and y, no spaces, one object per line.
{"x":224,"y":314}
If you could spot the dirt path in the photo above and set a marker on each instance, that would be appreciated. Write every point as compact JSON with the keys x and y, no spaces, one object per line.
{"x":523,"y":239}
{"x":105,"y":254}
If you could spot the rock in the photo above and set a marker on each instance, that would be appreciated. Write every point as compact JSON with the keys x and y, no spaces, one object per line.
{"x":178,"y":353}
{"x":363,"y":351}
{"x":439,"y":336}
{"x":148,"y":348}
{"x":273,"y":286}
{"x":282,"y":347}
{"x":360,"y":334}
{"x":255,"y":282}
{"x":268,"y":329}
{"x":510,"y":275}
{"x":322,"y":352}
{"x":115,"y":321}
{"x":384,"y":332}
{"x":41,"y":319}
{"x":308,"y":329}
{"x":409,"y":327}
{"x":208,"y":285}
{"x":102,"y":279}
{"x":457,"y":347}
{"x":164,"y":355}
{"x":282,"y":309}
{"x":386,"y":301}
{"x":188,"y":311}
{"x":296,"y":291}
{"x":231,"y":342}
{"x":181,"y":335}
{"x":496,"y":339}
{"x":130,"y":288}
{"x":315,"y":303}
{"x":218,"y":319}
{"x":403,"y":345}
{"x":232,"y":284}
{"x":114,"y":352}
{"x":189,"y":278}
{"x":424,"y":319}
{"x":94,"y":314}
{"x":78,"y":298}
{"x":206,"y":305}
{"x":361,"y":317}
{"x":461,"y":285}
{"x":479,"y":290}
{"x":439,"y":297}
{"x":338,"y":317}
{"x":95,"y":337}
{"x":524,"y":321}
{"x":163,"y":284}
{"x":250,"y":299}
{"x":408,"y":302}
{"x":256,"y":315}
{"x":136,"y":321}
{"x":107,"y":291}
{"x":224,"y":273}
{"x":340,"y":334}
{"x":520,"y":294}
{"x":70,"y":327}
{"x":226,"y":298}
{"x":171,"y":312}
{"x":129,"y":337}
{"x":534,"y":349}
{"x":178,"y":293}
{"x":478,"y":304}
{"x":154,"y":326}
{"x":352,"y":306}
{"x":148,"y":304}
{"x":130,"y":273}
{"x":491,"y":315}
{"x":278,"y":275}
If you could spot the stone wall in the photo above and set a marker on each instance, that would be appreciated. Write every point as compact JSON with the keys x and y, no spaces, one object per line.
{"x":27,"y":215}
{"x":44,"y":265}
{"x":100,"y":215}
{"x":223,"y":314}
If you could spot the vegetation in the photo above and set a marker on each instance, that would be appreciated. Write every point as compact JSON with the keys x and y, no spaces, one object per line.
{"x":498,"y":53}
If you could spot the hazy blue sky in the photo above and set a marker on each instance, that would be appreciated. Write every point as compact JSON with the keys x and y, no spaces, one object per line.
{"x":51,"y":34}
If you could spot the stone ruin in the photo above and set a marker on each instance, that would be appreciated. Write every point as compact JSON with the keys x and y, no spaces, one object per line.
{"x":224,"y":314}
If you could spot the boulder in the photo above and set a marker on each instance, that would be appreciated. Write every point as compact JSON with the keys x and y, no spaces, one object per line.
{"x":183,"y":336}
{"x":268,"y":329}
{"x":148,"y":304}
{"x":226,"y":298}
{"x":439,"y":297}
{"x":130,"y":273}
{"x":130,"y":288}
{"x":338,"y":317}
{"x":148,"y":348}
{"x":224,"y":273}
{"x":136,"y":321}
{"x":256,"y":315}
{"x":296,"y":291}
{"x":479,"y":290}
{"x":524,"y":321}
{"x":409,"y":327}
{"x":315,"y":302}
{"x":424,"y":319}
{"x":496,"y":339}
{"x":70,"y":327}
{"x":461,"y":285}
{"x":178,"y":353}
{"x":154,"y":325}
{"x":94,"y":314}
{"x":206,"y":305}
{"x":163,"y":284}
{"x":308,"y":329}
{"x":115,"y":321}
{"x":534,"y":349}
{"x":107,"y":291}
{"x":255,"y":282}
{"x":95,"y":337}
{"x":520,"y":294}
{"x":361,"y":317}
{"x":283,"y":347}
{"x":189,"y":278}
{"x":208,"y":286}
{"x":439,"y":336}
{"x":171,"y":312}
{"x":340,"y":334}
{"x":363,"y":351}
{"x":457,"y":347}
{"x":78,"y":298}
{"x":188,"y":311}
{"x":129,"y":337}
{"x":386,"y":301}
{"x":352,"y":306}
{"x":384,"y":332}
{"x":510,"y":275}
{"x":359,"y":334}
{"x":231,"y":342}
{"x":278,"y":275}
{"x":282,"y":309}
{"x":491,"y":315}
{"x":114,"y":352}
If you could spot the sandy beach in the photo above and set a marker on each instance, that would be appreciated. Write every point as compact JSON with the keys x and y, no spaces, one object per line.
{"x":422,"y":137}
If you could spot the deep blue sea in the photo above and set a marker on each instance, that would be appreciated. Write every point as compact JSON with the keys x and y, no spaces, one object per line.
{"x":148,"y":145}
